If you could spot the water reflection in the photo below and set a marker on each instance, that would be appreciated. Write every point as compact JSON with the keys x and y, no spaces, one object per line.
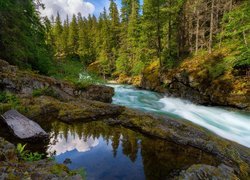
{"x":118,"y":153}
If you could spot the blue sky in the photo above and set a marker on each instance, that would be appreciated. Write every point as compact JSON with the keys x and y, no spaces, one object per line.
{"x":70,"y":7}
{"x":100,"y":4}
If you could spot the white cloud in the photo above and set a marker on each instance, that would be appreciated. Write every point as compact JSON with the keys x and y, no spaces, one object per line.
{"x":65,"y":7}
{"x":61,"y":145}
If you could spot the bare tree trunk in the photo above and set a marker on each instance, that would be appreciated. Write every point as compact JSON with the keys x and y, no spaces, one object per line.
{"x":211,"y":28}
{"x":231,"y":5}
{"x":197,"y":33}
{"x":159,"y":34}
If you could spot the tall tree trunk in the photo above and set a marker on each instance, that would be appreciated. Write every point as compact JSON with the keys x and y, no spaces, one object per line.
{"x":231,"y":5}
{"x":159,"y":33}
{"x":169,"y":30}
{"x":197,"y":32}
{"x":211,"y":28}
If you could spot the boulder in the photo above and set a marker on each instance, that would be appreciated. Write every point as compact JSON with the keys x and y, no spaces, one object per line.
{"x":22,"y":127}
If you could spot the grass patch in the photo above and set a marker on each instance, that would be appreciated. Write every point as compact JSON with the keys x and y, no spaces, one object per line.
{"x":74,"y":72}
{"x":44,"y":92}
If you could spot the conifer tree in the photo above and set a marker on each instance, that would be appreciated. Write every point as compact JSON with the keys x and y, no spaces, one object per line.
{"x":58,"y":29}
{"x":65,"y":36}
{"x":73,"y":36}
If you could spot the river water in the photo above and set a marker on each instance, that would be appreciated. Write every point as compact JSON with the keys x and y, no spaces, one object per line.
{"x":230,"y":124}
{"x":107,"y":152}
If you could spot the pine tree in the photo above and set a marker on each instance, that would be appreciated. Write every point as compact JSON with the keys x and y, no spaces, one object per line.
{"x":65,"y":36}
{"x":73,"y":36}
{"x":115,"y":24}
{"x":129,"y":52}
{"x":86,"y":49}
{"x":58,"y":29}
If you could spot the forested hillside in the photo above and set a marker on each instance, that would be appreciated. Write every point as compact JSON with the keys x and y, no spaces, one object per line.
{"x":165,"y":30}
{"x":128,"y":41}
{"x":22,"y":35}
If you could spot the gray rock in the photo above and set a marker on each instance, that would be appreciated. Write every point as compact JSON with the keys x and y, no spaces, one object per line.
{"x":201,"y":172}
{"x":23,"y":127}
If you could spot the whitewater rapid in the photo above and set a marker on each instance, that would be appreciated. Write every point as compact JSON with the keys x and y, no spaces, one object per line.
{"x":229,"y":124}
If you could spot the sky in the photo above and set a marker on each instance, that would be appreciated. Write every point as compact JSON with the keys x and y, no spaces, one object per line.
{"x":70,"y":7}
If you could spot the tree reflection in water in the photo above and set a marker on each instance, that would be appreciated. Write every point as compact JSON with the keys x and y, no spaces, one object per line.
{"x":148,"y":157}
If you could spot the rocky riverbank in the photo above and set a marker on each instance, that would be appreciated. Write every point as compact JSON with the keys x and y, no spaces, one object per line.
{"x":202,"y":79}
{"x":67,"y":103}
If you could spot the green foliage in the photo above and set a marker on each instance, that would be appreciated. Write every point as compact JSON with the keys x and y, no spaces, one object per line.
{"x":87,"y":79}
{"x":30,"y":157}
{"x":217,"y":70}
{"x":244,"y":58}
{"x":9,"y":98}
{"x":81,"y":171}
{"x":66,"y":69}
{"x":74,"y":72}
{"x":21,"y":150}
{"x":22,"y":36}
{"x":26,"y":155}
{"x":237,"y":21}
{"x":44,"y":92}
{"x":138,"y":68}
{"x":73,"y":36}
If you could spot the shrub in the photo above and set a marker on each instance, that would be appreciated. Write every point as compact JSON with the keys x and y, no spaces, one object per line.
{"x":6,"y":97}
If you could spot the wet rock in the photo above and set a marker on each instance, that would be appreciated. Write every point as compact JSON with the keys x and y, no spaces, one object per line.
{"x":200,"y":171}
{"x":187,"y":133}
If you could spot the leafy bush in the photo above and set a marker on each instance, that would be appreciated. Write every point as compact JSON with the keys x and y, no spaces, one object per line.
{"x":216,"y":71}
{"x":138,"y":68}
{"x":26,"y":155}
{"x":244,"y":58}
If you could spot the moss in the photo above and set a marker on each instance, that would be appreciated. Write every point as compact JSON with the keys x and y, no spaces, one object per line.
{"x":4,"y":107}
{"x":44,"y":92}
{"x":58,"y":169}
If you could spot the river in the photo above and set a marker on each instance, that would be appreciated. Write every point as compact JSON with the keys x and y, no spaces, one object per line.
{"x":230,"y":124}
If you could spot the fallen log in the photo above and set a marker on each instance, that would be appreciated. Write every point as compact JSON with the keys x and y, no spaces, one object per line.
{"x":22,"y":127}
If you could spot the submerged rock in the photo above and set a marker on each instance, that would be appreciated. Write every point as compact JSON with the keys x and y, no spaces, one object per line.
{"x":201,"y":171}
{"x":22,"y":127}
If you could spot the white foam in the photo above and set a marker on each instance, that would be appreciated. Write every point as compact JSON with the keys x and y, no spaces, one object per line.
{"x":231,"y":125}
